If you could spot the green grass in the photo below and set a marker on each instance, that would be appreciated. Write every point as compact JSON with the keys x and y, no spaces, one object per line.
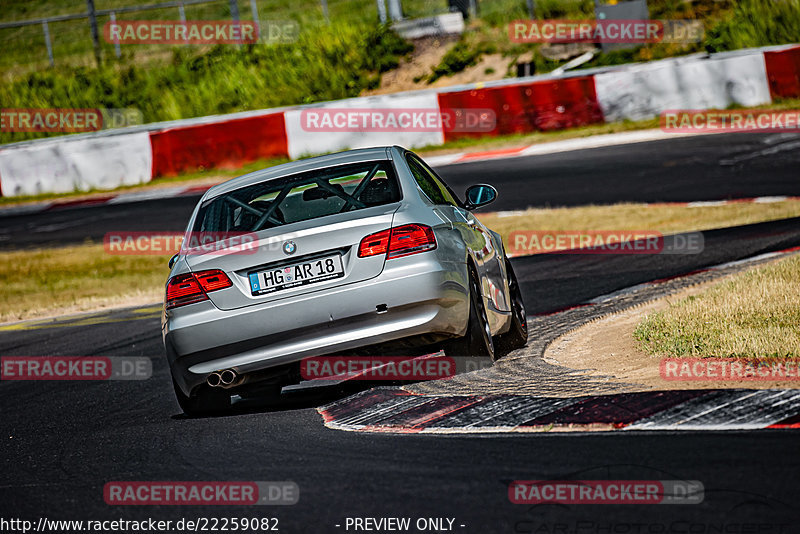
{"x":337,"y":61}
{"x":328,"y":62}
{"x":458,"y":58}
{"x":756,"y":23}
{"x":490,"y":35}
{"x":754,"y":315}
{"x":24,"y":48}
{"x":729,"y":25}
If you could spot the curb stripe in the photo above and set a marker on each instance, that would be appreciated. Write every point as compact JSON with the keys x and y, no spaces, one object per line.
{"x":397,"y":411}
{"x":503,"y":411}
{"x":491,"y":154}
{"x":727,"y":410}
{"x":359,"y":401}
{"x":432,"y":410}
{"x":617,"y":410}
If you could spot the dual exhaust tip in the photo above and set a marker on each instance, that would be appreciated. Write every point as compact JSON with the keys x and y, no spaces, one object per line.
{"x":223,"y":379}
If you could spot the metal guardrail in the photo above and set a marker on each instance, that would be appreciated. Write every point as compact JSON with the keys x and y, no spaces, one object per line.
{"x":394,"y":12}
{"x":91,"y":14}
{"x":102,"y":12}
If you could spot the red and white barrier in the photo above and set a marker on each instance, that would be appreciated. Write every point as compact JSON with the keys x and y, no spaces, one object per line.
{"x":783,"y":71}
{"x":638,"y":91}
{"x":76,"y":163}
{"x":303,"y":141}
{"x":530,"y":106}
{"x":643,"y":91}
{"x":222,"y":144}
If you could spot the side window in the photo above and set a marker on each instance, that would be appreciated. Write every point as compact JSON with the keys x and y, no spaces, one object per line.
{"x":448,"y":194}
{"x":425,"y":182}
{"x":434,"y":189}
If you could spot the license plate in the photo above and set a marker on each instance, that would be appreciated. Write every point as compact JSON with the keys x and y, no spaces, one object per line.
{"x":299,"y":274}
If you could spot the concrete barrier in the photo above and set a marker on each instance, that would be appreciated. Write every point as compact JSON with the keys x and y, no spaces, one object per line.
{"x":643,"y":91}
{"x":62,"y":165}
{"x":108,"y":160}
{"x":304,"y":142}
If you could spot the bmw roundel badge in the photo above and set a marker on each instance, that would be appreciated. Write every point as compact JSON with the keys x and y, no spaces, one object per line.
{"x":289,"y":247}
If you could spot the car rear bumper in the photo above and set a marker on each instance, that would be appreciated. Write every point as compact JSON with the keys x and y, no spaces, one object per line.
{"x":422,"y":296}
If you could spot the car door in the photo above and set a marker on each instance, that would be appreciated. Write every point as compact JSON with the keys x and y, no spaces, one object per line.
{"x":474,"y":234}
{"x":493,"y":268}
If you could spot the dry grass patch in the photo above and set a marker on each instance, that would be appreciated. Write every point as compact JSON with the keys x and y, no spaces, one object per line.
{"x":48,"y":282}
{"x":665,"y":218}
{"x":41,"y":283}
{"x":754,"y":315}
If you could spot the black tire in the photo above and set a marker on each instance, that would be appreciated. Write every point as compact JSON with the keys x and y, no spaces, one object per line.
{"x":517,"y":335}
{"x":478,"y":339}
{"x":204,"y":401}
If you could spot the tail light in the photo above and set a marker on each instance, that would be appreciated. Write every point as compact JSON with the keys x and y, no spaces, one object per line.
{"x":213,"y":280}
{"x":398,"y":242}
{"x":189,"y":288}
{"x":374,"y":244}
{"x":411,"y":239}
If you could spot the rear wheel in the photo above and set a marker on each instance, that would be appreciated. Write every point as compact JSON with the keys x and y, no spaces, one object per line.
{"x":478,"y":339}
{"x":204,"y":401}
{"x":517,"y":335}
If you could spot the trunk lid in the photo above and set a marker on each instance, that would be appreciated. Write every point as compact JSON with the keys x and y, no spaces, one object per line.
{"x":313,"y":240}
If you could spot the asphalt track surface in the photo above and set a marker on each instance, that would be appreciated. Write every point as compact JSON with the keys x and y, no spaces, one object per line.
{"x":62,"y":441}
{"x":713,"y":167}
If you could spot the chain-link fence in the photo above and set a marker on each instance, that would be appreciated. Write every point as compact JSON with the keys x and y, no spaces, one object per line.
{"x":75,"y":36}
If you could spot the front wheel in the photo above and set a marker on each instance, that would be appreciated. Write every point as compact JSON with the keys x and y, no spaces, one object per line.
{"x":478,"y":339}
{"x":517,"y":335}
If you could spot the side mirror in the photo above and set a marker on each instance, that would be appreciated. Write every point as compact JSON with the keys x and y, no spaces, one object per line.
{"x":172,"y":260}
{"x":479,"y":195}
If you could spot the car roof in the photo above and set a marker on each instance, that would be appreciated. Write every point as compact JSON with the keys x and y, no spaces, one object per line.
{"x":302,"y":165}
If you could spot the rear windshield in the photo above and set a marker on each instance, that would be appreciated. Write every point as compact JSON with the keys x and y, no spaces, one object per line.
{"x":300,"y":197}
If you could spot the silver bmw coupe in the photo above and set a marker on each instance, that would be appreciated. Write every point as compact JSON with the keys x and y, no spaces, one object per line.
{"x":366,"y":251}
